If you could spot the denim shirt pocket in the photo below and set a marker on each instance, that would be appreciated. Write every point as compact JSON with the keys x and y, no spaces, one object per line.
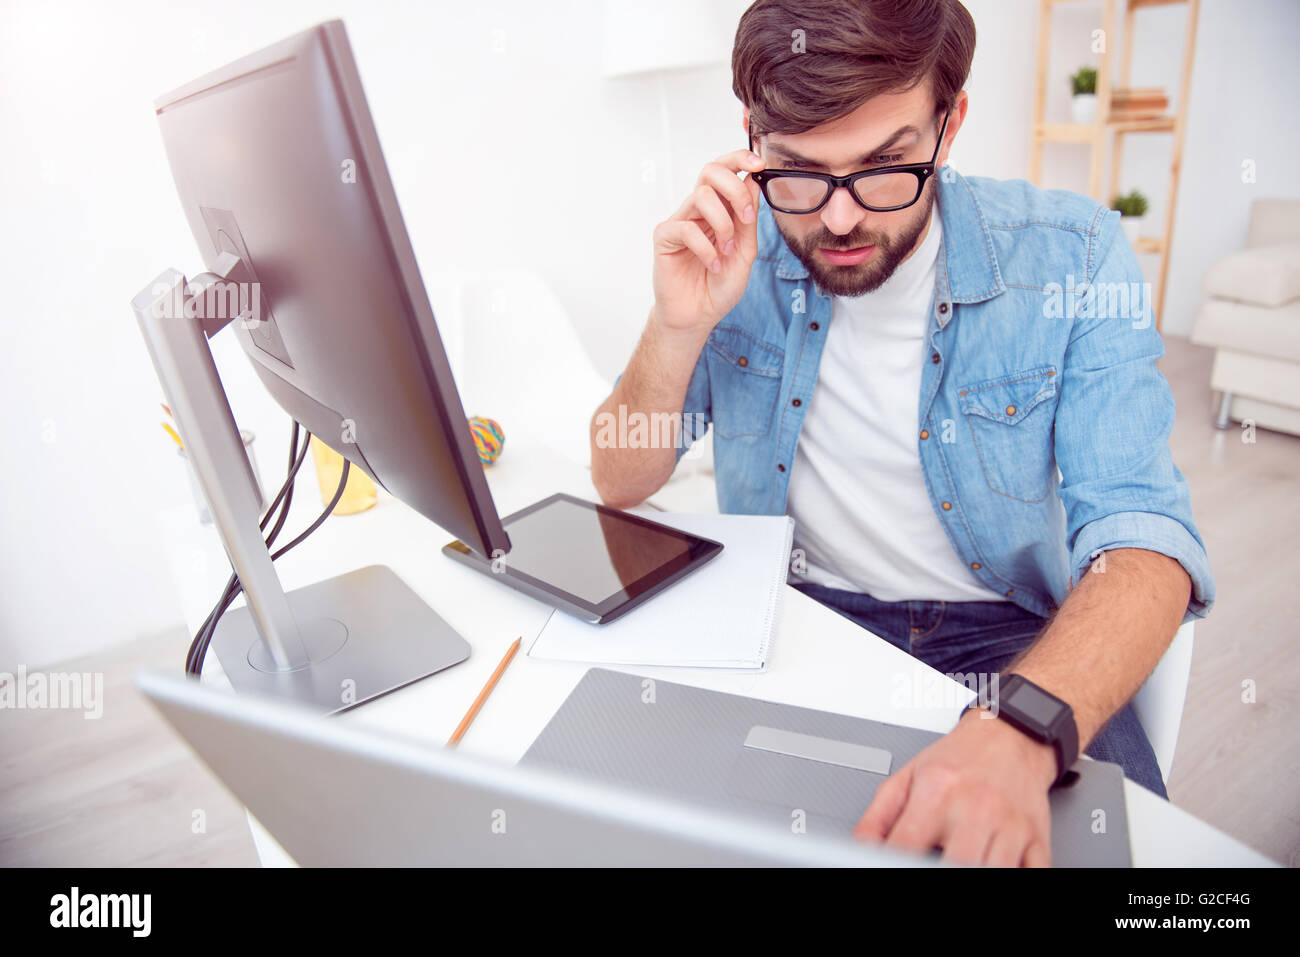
{"x":1010,"y":420}
{"x":745,"y":380}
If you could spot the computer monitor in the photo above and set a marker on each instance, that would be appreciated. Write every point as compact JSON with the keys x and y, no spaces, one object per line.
{"x":282,"y":179}
{"x":346,"y":335}
{"x":280,"y":173}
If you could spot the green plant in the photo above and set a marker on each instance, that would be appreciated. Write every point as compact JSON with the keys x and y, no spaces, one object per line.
{"x":1084,"y":81}
{"x":1130,"y":204}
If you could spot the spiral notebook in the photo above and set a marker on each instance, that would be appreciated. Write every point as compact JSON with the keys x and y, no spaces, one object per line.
{"x":723,"y":616}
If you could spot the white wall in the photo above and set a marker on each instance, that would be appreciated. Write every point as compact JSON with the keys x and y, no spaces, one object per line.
{"x":507,"y":93}
{"x":1241,"y":106}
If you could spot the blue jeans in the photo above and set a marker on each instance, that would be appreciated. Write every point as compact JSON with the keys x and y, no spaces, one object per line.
{"x":984,"y":636}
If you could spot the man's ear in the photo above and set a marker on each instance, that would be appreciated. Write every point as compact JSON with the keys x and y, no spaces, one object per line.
{"x":744,"y":120}
{"x":955,"y":121}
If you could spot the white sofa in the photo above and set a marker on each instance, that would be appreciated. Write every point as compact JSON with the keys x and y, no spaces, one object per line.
{"x":1251,"y":316}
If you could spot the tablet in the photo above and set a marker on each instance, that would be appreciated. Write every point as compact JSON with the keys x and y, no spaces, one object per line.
{"x":589,"y":560}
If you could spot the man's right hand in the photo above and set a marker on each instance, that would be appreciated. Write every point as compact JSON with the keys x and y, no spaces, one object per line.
{"x":704,"y":251}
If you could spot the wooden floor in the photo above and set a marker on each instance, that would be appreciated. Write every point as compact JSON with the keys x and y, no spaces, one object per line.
{"x":122,"y":790}
{"x":1237,"y":765}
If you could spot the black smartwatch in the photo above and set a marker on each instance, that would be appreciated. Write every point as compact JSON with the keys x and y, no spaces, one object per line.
{"x":1039,"y":714}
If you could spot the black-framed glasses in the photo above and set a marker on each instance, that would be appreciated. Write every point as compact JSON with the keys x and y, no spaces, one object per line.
{"x":881,"y":190}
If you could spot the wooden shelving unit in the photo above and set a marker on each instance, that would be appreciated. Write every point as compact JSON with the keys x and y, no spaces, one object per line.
{"x":1108,"y":128}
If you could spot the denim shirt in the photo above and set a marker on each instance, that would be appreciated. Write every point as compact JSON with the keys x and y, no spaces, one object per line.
{"x":1045,"y":423}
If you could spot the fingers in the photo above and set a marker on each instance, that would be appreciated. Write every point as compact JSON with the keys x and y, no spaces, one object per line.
{"x":923,"y":824}
{"x":747,"y":234}
{"x":706,"y":205}
{"x":972,"y":827}
{"x":726,"y":205}
{"x":1038,"y":854}
{"x":739,"y":161}
{"x":978,"y":827}
{"x":675,"y":235}
{"x":1009,"y":846}
{"x":731,"y":188}
{"x":885,"y":807}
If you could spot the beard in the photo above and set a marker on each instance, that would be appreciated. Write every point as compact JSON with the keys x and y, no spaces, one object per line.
{"x":871,"y":274}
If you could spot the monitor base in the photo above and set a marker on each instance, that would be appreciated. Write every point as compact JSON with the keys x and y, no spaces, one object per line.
{"x":366,"y":633}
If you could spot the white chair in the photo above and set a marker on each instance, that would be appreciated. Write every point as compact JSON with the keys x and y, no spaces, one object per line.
{"x":1159,"y":702}
{"x":517,"y":358}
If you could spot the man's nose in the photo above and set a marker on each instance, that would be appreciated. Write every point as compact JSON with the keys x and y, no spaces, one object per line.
{"x":842,"y":214}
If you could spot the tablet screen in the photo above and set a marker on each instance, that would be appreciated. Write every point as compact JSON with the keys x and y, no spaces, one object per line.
{"x":590,"y":560}
{"x":593,"y":554}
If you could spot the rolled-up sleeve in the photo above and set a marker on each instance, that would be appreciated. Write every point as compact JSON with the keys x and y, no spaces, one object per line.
{"x":1119,"y":484}
{"x":697,"y":406}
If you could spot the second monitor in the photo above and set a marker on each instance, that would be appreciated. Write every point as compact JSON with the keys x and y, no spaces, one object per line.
{"x":280,"y":173}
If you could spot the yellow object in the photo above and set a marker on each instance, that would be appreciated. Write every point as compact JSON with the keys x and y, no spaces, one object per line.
{"x":482,"y":695}
{"x":172,"y":433}
{"x":488,"y":438}
{"x":359,"y":494}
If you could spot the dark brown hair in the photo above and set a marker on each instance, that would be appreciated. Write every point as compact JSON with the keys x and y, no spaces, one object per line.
{"x":848,"y":52}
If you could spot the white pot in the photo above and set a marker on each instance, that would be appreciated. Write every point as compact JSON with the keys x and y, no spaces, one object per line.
{"x":1084,"y":107}
{"x":1132,"y":228}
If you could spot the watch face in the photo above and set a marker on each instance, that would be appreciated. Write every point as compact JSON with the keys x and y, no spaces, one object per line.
{"x":1034,"y":704}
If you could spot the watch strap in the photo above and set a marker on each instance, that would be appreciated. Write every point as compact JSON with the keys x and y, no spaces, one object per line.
{"x":1062,"y":734}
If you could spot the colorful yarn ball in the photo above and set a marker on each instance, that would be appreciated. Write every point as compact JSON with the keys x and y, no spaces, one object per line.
{"x":488,"y":438}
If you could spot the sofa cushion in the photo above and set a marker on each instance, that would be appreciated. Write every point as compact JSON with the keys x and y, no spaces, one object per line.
{"x":1264,"y":276}
{"x":1239,"y":327}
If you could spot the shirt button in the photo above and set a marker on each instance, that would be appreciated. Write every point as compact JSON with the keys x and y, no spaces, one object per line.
{"x":780,"y":467}
{"x":976,"y":565}
{"x":1011,"y":410}
{"x":947,"y":506}
{"x":943,"y":307}
{"x":925,"y":434}
{"x":742,"y":361}
{"x":1009,"y":591}
{"x":796,"y":402}
{"x":935,"y":358}
{"x":814,"y":326}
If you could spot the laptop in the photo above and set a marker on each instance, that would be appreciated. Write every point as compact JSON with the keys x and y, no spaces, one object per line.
{"x":334,"y":793}
{"x":783,"y":765}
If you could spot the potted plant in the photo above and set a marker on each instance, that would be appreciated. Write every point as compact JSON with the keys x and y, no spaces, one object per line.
{"x":1132,"y":207}
{"x":1084,"y":103}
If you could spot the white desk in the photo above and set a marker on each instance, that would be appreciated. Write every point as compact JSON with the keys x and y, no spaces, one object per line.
{"x":818,"y":659}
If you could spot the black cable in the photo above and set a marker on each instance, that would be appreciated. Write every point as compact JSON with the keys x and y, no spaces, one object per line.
{"x":234,"y":593}
{"x":325,"y":513}
{"x":234,"y":588}
{"x":199,"y":647}
{"x":193,"y":662}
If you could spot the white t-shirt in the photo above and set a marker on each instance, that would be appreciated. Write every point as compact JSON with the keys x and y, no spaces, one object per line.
{"x":863,"y":517}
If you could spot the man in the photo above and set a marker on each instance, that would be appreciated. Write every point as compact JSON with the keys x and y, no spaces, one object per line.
{"x":903,"y":361}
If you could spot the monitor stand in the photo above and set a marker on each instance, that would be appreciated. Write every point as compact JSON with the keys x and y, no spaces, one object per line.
{"x":329,"y":646}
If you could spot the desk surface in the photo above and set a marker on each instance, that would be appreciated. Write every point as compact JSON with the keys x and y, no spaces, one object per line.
{"x":818,"y":658}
